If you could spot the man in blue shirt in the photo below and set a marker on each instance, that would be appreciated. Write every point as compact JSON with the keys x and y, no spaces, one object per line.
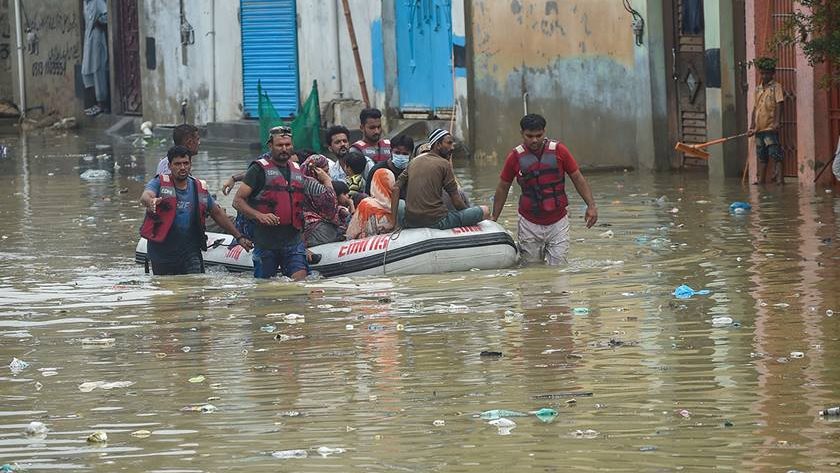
{"x":176,"y":207}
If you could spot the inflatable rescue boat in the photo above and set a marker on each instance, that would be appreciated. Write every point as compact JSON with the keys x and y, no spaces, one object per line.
{"x":410,"y":251}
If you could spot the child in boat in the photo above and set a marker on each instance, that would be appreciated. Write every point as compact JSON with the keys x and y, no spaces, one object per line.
{"x":354,"y":167}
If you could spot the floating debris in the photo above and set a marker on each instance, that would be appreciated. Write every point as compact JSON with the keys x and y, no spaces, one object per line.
{"x":546,"y":414}
{"x":95,"y":175}
{"x":36,"y":429}
{"x":18,"y":365}
{"x":585,"y":434}
{"x":561,"y":395}
{"x":286,"y":454}
{"x":439,"y":423}
{"x":97,"y":437}
{"x":197,"y":379}
{"x":490,"y":354}
{"x":91,"y":385}
{"x":685,"y":292}
{"x":327,"y":451}
{"x":500,"y":413}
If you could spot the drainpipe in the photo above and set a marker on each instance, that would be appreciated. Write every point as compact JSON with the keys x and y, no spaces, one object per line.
{"x":212,"y":34}
{"x":21,"y":77}
{"x":340,"y":91}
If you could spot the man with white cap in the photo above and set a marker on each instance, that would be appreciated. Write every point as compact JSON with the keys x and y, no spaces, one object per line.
{"x":424,"y":179}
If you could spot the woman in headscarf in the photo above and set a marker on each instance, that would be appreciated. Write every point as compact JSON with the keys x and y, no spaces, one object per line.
{"x":373,"y":214}
{"x":321,"y":220}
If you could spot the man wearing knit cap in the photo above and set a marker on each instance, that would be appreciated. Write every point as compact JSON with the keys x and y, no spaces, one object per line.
{"x":424,"y":180}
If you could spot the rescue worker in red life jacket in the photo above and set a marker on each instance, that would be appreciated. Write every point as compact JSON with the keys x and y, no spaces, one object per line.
{"x":271,"y":195}
{"x":540,"y":166}
{"x":176,"y":207}
{"x":372,"y":145}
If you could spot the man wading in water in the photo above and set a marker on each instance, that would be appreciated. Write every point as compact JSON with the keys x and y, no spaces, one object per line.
{"x":272,"y":195}
{"x":176,"y":207}
{"x":540,"y":166}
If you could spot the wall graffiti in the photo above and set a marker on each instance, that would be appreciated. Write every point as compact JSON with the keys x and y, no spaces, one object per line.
{"x":57,"y":59}
{"x":56,"y":22}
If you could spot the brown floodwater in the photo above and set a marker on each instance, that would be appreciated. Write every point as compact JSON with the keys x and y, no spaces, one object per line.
{"x":385,"y":374}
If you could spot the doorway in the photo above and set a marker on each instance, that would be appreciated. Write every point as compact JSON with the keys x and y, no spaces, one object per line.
{"x":424,"y":57}
{"x":127,"y":58}
{"x":687,"y":87}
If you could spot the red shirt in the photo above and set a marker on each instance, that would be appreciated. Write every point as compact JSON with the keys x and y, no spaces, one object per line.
{"x":565,"y":162}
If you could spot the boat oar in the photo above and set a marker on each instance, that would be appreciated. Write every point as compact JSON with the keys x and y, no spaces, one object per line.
{"x":698,"y":151}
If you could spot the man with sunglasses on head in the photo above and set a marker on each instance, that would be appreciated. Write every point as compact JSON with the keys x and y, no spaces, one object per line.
{"x":271,"y":196}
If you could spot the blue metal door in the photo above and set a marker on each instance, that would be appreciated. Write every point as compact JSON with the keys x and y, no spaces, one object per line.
{"x":424,"y":55}
{"x":269,"y":54}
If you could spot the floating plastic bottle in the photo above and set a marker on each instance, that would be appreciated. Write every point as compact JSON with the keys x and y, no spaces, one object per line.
{"x":500,"y":413}
{"x":580,"y":311}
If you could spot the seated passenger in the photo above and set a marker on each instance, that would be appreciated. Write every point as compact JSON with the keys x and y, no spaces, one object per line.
{"x":321,"y":221}
{"x":401,"y":148}
{"x":346,"y":208}
{"x":354,"y":167}
{"x":424,"y":179}
{"x":373,"y":215}
{"x":424,"y":148}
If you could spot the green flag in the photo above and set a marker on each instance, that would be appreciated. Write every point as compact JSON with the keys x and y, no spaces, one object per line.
{"x":306,"y":127}
{"x":268,"y":115}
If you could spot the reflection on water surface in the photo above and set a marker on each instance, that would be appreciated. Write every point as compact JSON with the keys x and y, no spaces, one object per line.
{"x":386,"y":374}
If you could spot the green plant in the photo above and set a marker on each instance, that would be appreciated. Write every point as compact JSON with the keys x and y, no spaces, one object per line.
{"x":765,"y":63}
{"x":815,"y":26}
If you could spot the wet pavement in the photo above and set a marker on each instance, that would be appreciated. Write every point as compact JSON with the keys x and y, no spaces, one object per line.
{"x":219,"y":372}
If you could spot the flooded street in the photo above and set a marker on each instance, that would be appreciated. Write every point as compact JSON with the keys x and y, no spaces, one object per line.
{"x":386,"y":374}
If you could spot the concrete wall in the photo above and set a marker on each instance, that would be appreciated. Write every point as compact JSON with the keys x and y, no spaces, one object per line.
{"x":7,"y":50}
{"x":172,"y":81}
{"x":52,"y":56}
{"x":722,"y":118}
{"x":325,"y":53}
{"x":577,"y":61}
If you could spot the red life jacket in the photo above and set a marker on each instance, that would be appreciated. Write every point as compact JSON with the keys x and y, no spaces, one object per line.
{"x":280,"y":197}
{"x":542,"y":179}
{"x":156,"y":225}
{"x":378,"y":152}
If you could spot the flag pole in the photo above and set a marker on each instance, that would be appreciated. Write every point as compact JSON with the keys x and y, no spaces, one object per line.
{"x":359,"y":71}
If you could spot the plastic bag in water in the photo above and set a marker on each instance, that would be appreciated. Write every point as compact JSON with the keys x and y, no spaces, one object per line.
{"x":739,"y":207}
{"x":95,"y":175}
{"x":684,"y":292}
{"x":546,"y":414}
{"x":284,"y":454}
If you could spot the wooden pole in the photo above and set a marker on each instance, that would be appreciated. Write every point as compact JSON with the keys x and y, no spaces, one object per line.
{"x":359,"y":71}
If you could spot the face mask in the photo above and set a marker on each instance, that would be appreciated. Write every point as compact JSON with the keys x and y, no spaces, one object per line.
{"x":400,"y":161}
